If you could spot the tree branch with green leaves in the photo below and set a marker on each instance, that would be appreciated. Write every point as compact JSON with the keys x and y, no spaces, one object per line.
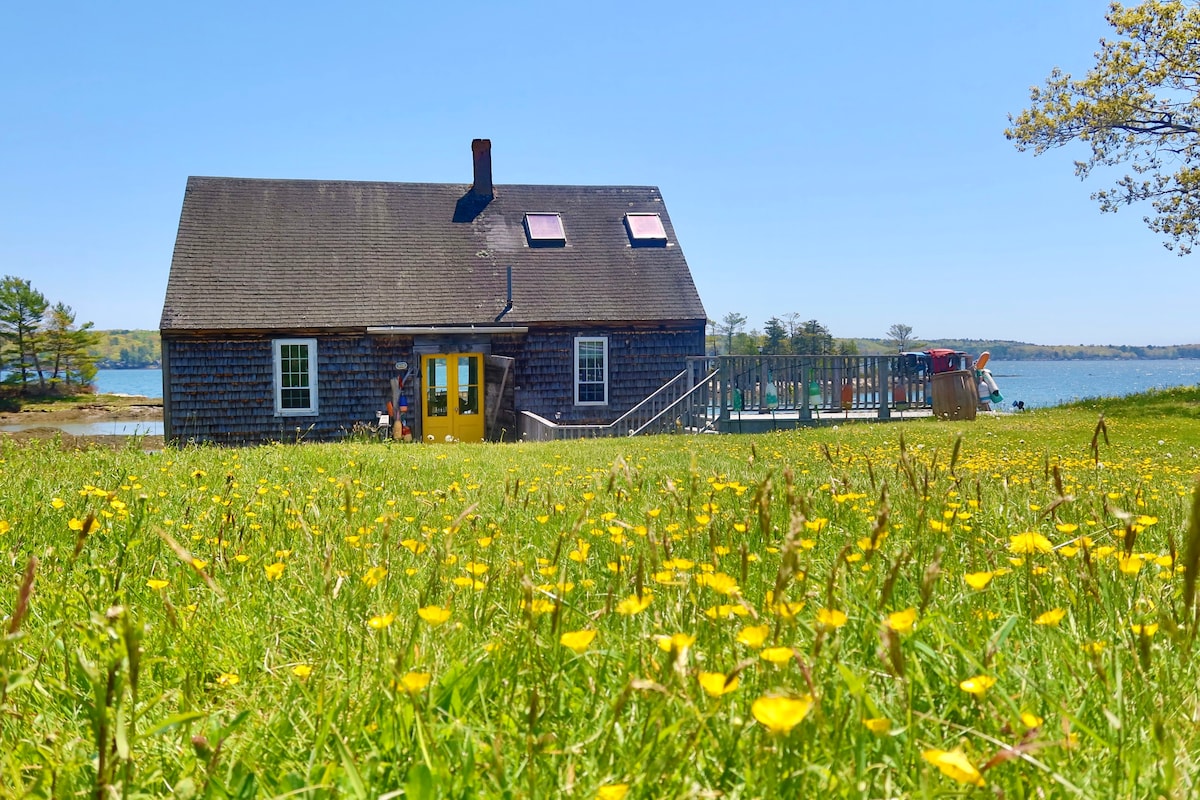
{"x":1139,"y":105}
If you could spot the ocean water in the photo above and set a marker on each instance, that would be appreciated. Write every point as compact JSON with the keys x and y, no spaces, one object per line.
{"x":1039,"y":384}
{"x":139,"y":382}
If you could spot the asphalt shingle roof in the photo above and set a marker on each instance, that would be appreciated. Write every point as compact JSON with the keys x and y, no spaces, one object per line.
{"x":280,"y":254}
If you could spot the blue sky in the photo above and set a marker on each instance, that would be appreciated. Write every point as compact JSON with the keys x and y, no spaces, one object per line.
{"x":842,"y":161}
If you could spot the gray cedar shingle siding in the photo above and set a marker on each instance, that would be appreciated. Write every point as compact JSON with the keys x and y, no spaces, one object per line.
{"x":284,"y":254}
{"x":221,"y":390}
{"x":640,"y":361}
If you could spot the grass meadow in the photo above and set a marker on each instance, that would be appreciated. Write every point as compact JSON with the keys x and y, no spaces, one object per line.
{"x":998,"y":608}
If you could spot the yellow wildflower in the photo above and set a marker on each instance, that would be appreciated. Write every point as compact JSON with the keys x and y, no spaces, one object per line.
{"x":716,"y":684}
{"x":780,"y":714}
{"x":677,"y":642}
{"x":274,"y":570}
{"x":977,"y":685}
{"x":831,"y":619}
{"x":878,"y":725}
{"x":577,"y":641}
{"x":373,"y":576}
{"x":1029,"y":543}
{"x":381,"y":621}
{"x":634,"y":605}
{"x":433,"y":615}
{"x":954,"y":764}
{"x":777,"y":655}
{"x":902,"y":621}
{"x":413,"y":682}
{"x":1050,"y":618}
{"x":753,"y":636}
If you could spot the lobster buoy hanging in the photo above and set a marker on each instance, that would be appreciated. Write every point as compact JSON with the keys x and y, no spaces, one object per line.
{"x":847,"y":396}
{"x":986,"y":376}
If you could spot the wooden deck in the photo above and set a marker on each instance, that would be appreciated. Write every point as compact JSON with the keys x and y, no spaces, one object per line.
{"x":753,"y":394}
{"x":778,"y":420}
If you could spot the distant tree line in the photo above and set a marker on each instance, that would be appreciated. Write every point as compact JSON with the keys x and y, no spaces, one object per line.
{"x":42,"y":349}
{"x":126,"y":349}
{"x":787,"y":335}
{"x":790,"y":335}
{"x":1021,"y":351}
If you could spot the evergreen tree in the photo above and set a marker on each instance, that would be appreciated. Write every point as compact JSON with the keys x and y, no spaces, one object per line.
{"x":21,"y":310}
{"x":774,"y":338}
{"x":67,"y":347}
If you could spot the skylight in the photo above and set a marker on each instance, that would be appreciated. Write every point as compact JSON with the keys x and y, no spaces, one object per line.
{"x":645,"y":229}
{"x":545,"y":229}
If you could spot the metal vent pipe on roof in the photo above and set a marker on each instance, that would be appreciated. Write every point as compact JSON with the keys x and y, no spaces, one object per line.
{"x":481,"y":154}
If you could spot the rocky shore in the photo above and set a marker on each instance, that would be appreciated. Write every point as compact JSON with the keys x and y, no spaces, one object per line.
{"x":43,"y":420}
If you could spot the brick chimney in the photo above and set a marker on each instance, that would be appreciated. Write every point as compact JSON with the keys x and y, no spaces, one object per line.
{"x":481,"y":152}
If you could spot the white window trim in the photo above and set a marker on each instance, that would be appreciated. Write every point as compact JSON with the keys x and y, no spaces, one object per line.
{"x":277,"y":378}
{"x":575,"y":374}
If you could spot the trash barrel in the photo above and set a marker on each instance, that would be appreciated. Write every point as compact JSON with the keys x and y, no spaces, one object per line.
{"x":955,"y":395}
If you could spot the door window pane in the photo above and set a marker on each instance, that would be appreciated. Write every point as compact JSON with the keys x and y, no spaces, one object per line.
{"x":437,"y":389}
{"x":468,"y":385}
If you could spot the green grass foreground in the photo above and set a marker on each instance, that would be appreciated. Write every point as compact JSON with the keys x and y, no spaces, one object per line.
{"x":924,"y":609}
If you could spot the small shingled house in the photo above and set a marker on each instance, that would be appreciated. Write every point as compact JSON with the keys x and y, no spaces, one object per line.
{"x":300,"y":309}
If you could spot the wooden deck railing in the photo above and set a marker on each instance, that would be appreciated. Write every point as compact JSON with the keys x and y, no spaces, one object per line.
{"x":715,"y":389}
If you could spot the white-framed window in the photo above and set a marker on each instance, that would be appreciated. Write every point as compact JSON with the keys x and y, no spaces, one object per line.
{"x":591,"y":370}
{"x":295,"y":377}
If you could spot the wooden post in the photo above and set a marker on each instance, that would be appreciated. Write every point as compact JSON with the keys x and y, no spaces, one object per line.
{"x":884,"y":387}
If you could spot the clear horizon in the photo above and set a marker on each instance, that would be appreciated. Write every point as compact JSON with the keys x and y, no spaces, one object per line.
{"x":843,"y":162}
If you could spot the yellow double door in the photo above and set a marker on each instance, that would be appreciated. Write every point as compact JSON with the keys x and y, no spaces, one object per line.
{"x":453,"y":408}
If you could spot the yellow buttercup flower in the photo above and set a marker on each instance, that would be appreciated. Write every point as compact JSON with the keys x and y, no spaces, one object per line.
{"x":414,"y":682}
{"x":777,"y":655}
{"x":1130,"y":565}
{"x":274,"y":570}
{"x":902,"y":621}
{"x":634,"y":605}
{"x":157,"y":583}
{"x":612,"y":791}
{"x":433,"y":615}
{"x":719,"y":582}
{"x":878,"y":725}
{"x":716,"y":684}
{"x":1050,"y":618}
{"x":677,"y":642}
{"x":228,"y":679}
{"x":1029,"y":543}
{"x":373,"y":576}
{"x":780,"y":714}
{"x":831,"y":619}
{"x":302,"y":671}
{"x":381,"y":621}
{"x":577,"y":641}
{"x":977,"y":685}
{"x":954,"y":764}
{"x":753,"y":636}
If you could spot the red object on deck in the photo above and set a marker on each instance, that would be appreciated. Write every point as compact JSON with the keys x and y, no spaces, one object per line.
{"x":946,"y":360}
{"x":847,"y":396}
